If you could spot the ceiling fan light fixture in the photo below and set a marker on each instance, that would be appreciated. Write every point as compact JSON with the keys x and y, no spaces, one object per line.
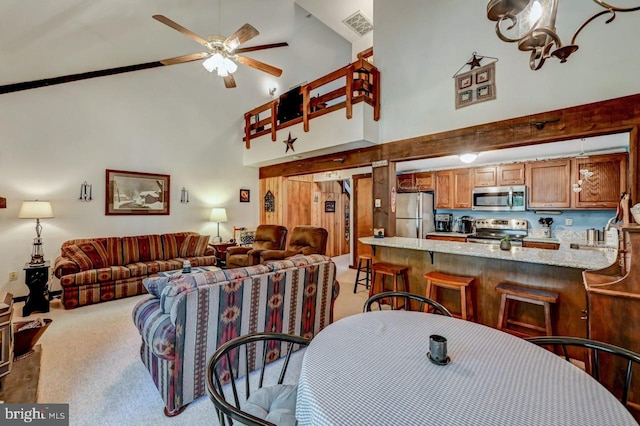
{"x":230,"y":65}
{"x":208,"y":64}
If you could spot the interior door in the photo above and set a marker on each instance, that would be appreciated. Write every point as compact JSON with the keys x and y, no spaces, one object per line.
{"x":362,"y":213}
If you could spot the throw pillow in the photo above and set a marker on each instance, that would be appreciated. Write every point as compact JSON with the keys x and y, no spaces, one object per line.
{"x":89,"y":255}
{"x":194,"y":245}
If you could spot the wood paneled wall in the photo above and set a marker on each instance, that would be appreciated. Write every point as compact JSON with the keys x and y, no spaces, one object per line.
{"x":300,"y":201}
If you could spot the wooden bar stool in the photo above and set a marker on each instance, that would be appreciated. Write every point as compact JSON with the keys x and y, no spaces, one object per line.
{"x":383,"y":269}
{"x":366,"y":269}
{"x":535,"y":296}
{"x":452,"y":282}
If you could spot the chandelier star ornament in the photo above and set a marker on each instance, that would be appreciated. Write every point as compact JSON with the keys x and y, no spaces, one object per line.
{"x":289,"y":142}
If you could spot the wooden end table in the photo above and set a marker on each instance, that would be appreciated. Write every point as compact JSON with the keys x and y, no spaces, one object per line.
{"x":221,"y":252}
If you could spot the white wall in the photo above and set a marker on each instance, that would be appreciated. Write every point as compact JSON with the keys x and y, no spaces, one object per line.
{"x":176,"y":120}
{"x":420,"y":45}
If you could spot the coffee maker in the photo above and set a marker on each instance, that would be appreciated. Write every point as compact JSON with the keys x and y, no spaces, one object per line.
{"x":443,"y":222}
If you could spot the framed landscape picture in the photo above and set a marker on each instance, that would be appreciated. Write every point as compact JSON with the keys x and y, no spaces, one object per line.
{"x":136,"y":193}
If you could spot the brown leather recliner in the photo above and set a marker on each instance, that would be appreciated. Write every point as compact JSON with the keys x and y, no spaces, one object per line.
{"x":267,"y":237}
{"x":304,"y":240}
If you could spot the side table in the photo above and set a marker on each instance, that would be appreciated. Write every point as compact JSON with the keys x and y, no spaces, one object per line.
{"x":221,"y":252}
{"x":37,"y":279}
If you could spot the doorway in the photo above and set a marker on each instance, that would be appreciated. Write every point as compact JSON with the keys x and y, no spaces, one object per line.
{"x":362,"y":214}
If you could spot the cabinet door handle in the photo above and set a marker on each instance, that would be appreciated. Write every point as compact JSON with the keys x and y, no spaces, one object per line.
{"x":585,"y":315}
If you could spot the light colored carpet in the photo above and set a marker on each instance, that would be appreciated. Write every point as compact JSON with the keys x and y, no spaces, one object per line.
{"x":91,"y":360}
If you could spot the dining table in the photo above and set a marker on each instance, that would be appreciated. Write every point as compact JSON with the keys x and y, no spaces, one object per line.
{"x":373,"y":369}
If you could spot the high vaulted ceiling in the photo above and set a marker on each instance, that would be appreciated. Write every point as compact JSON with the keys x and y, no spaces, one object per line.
{"x":43,"y":39}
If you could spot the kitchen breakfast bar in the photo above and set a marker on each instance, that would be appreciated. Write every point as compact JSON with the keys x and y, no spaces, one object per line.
{"x":555,"y":270}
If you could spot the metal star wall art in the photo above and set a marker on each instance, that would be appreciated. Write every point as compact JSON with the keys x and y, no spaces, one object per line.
{"x":289,"y":142}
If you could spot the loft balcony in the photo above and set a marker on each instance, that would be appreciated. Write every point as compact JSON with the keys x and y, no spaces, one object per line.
{"x":342,"y":108}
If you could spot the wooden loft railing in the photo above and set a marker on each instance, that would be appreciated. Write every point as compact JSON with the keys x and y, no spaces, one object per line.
{"x":362,"y":84}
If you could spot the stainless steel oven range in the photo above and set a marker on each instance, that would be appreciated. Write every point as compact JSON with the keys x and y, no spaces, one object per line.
{"x":491,"y":231}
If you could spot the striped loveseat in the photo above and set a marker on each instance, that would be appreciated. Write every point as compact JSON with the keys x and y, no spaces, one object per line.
{"x":93,"y":270}
{"x":186,"y":318}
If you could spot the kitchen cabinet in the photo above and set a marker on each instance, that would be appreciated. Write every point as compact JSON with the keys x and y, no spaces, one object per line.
{"x":424,"y":181}
{"x":462,"y":186}
{"x":607,"y":182}
{"x":485,"y":176}
{"x":447,"y":238}
{"x":541,"y":245}
{"x":444,"y":189}
{"x":406,"y":182}
{"x":549,"y":183}
{"x":511,"y":174}
{"x":500,"y":175}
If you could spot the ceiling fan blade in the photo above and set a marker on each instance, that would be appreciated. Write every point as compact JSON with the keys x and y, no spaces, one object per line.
{"x":183,"y":30}
{"x":244,"y":34}
{"x":229,"y":81}
{"x":277,"y":72}
{"x":260,"y":47}
{"x":184,"y":58}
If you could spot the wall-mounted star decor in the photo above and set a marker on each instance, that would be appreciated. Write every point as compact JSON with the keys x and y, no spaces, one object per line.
{"x":289,"y":142}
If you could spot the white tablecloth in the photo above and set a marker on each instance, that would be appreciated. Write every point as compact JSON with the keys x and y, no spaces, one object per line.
{"x":372,"y":369}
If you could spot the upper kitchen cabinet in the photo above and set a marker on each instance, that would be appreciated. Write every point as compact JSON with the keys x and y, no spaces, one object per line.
{"x":485,"y":176}
{"x":444,"y":189}
{"x":406,"y":182}
{"x":604,"y":179}
{"x":549,"y":183}
{"x":425,"y":181}
{"x":511,"y":174}
{"x":500,"y":175}
{"x":462,"y":185}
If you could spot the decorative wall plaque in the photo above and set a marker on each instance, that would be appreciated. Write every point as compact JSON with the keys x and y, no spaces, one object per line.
{"x":269,"y":202}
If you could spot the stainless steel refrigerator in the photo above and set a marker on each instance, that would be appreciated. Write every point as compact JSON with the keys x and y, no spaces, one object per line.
{"x":414,"y":214}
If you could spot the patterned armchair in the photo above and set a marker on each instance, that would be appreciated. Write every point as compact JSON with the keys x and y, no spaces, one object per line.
{"x":267,"y":237}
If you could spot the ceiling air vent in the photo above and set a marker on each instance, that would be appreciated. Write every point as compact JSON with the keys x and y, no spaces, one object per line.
{"x":359,"y":23}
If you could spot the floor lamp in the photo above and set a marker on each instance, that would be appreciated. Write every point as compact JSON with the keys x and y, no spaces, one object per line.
{"x":36,"y":210}
{"x":218,"y":214}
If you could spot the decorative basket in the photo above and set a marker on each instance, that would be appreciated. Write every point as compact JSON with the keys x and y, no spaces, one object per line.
{"x":25,"y":340}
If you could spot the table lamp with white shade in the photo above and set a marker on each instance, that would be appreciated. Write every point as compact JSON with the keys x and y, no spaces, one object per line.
{"x":36,"y":210}
{"x":218,"y":214}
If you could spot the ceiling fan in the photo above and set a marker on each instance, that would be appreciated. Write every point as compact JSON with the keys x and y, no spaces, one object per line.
{"x":222,"y":53}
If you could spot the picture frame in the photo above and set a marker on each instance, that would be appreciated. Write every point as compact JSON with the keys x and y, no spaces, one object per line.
{"x":329,"y":206}
{"x":136,"y":193}
{"x":245,"y":195}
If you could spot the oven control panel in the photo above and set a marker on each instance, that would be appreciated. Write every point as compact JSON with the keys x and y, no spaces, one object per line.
{"x":511,"y":224}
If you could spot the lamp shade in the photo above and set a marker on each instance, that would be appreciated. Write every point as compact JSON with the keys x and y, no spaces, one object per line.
{"x":218,"y":214}
{"x":35,"y":210}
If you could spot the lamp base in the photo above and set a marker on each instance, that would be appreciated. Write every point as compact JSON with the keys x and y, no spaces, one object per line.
{"x":217,"y":239}
{"x":37,"y":254}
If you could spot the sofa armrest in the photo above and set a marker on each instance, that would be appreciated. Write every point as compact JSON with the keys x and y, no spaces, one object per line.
{"x":65,"y":266}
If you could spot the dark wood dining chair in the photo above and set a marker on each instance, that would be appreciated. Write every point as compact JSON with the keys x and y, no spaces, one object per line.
{"x":562,"y":342}
{"x":395,"y":298}
{"x":250,"y":401}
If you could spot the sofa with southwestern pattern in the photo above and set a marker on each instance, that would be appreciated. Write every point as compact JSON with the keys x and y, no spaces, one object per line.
{"x":187,"y":317}
{"x":93,"y":270}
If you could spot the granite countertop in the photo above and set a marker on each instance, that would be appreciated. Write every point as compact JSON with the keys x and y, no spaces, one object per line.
{"x":570,"y":258}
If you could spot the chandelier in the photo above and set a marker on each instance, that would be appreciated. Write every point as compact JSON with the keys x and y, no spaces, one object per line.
{"x":532,"y":24}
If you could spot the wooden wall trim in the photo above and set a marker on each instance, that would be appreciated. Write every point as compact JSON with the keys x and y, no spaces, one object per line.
{"x":598,"y":118}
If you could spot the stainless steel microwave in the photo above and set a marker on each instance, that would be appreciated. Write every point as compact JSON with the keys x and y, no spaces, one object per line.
{"x":500,"y":198}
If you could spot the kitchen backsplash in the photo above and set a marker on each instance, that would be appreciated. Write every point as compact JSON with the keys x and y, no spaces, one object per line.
{"x":582,"y":219}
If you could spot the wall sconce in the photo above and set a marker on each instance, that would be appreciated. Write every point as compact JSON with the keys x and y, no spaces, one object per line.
{"x":184,"y":195}
{"x":272,"y":91}
{"x":86,"y":191}
{"x":532,"y":24}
